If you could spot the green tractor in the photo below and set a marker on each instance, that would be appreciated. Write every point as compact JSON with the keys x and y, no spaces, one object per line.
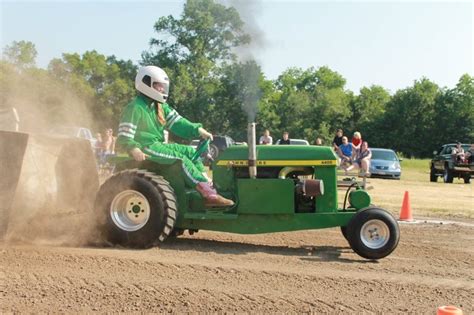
{"x":288,"y":188}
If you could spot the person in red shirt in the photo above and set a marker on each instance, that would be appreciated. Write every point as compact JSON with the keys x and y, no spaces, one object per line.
{"x":356,"y":140}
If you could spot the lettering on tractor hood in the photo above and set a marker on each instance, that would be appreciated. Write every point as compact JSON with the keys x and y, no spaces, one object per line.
{"x":243,"y":163}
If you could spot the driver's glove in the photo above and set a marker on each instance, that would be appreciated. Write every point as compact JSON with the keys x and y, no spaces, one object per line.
{"x":205,"y":134}
{"x":138,"y":154}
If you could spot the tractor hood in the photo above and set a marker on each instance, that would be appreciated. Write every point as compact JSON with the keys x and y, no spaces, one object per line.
{"x":279,"y":155}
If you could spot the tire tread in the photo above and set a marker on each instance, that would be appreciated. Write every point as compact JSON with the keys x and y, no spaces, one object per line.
{"x":164,"y":190}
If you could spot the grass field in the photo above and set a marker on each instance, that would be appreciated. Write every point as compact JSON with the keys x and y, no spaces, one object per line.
{"x":426,"y":198}
{"x":415,"y":170}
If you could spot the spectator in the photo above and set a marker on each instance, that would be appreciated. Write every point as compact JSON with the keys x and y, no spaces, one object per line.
{"x":345,"y":151}
{"x":362,"y":159}
{"x":266,"y":138}
{"x":470,"y":154}
{"x":337,"y":141}
{"x":318,"y":141}
{"x":98,"y":147}
{"x":285,"y":140}
{"x":458,"y":152}
{"x":357,"y":140}
{"x":141,"y":132}
{"x":108,"y":143}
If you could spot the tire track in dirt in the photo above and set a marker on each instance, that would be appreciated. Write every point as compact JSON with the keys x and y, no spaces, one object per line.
{"x":199,"y":269}
{"x":135,"y":286}
{"x":218,"y":272}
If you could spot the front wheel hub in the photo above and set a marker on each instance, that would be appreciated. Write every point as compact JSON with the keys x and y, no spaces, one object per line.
{"x":130,"y":210}
{"x":374,"y":234}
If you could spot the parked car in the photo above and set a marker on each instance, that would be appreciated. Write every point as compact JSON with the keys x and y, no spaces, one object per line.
{"x":385,"y":163}
{"x":296,"y":142}
{"x":444,"y":164}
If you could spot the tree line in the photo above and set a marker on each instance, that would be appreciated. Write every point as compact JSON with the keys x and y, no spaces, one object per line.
{"x":213,"y":84}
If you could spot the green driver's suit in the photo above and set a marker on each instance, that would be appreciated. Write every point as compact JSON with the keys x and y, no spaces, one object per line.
{"x":140,"y":128}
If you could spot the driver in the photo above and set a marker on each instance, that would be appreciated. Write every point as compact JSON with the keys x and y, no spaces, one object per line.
{"x":142,"y":126}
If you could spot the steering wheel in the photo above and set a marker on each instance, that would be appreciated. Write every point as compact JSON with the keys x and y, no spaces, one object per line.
{"x":202,"y":148}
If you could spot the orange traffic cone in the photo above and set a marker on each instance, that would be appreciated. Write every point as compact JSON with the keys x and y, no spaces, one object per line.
{"x":448,"y":310}
{"x":405,"y":212}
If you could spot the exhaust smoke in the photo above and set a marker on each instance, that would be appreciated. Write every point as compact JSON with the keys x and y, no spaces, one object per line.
{"x":250,"y":92}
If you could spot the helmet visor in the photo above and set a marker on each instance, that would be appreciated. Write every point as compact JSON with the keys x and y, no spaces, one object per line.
{"x":161,"y":87}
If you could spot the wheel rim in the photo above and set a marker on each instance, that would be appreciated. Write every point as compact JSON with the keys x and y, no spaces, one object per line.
{"x":374,"y":234}
{"x":213,"y":152}
{"x":130,"y":210}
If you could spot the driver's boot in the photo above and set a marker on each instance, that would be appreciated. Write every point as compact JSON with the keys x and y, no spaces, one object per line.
{"x":211,"y":197}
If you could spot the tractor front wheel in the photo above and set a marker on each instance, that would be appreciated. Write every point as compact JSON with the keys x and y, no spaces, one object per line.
{"x":373,"y":233}
{"x":344,"y":231}
{"x":138,"y":208}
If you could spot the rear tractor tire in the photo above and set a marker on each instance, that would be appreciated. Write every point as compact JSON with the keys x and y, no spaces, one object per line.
{"x":138,"y":208}
{"x":373,"y":233}
{"x":433,"y":176}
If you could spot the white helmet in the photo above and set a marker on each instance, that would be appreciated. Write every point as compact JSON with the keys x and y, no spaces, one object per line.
{"x":145,"y":79}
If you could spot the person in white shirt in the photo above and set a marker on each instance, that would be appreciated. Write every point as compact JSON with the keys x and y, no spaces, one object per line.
{"x":266,"y":138}
{"x":458,"y":152}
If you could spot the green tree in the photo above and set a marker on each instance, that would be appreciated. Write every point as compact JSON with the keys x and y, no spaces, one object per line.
{"x":21,"y":53}
{"x":105,"y":82}
{"x":454,"y":118}
{"x":312,"y":102}
{"x":409,"y":119}
{"x":368,"y":106}
{"x":241,"y":94}
{"x":292,"y":102}
{"x":206,"y":33}
{"x":40,"y":100}
{"x":191,"y":49}
{"x":465,"y":96}
{"x":367,"y":113}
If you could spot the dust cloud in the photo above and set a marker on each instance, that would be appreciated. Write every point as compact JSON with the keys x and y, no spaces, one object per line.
{"x":48,"y":181}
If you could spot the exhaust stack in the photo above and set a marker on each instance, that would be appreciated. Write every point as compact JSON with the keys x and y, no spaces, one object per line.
{"x":251,"y":139}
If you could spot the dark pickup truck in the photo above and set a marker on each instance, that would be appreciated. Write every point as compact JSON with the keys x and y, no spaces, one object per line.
{"x":446,"y":164}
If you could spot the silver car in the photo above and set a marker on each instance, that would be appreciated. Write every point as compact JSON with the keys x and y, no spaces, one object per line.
{"x":385,"y":163}
{"x":296,"y":142}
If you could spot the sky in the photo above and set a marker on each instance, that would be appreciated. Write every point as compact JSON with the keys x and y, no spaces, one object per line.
{"x":368,"y":42}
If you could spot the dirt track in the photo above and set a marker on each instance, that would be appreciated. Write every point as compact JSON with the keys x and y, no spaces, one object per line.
{"x":310,"y":271}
